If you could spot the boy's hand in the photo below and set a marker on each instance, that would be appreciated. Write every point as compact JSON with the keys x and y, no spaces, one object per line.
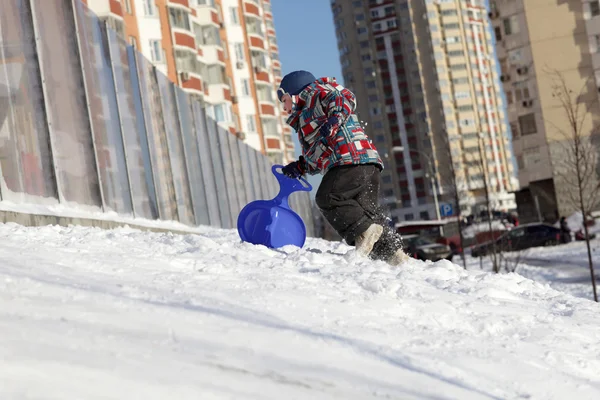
{"x":294,"y":169}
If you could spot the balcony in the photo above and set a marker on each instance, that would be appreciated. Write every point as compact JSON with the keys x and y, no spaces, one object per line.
{"x":207,"y":15}
{"x":184,"y":40}
{"x":181,"y":3}
{"x":116,"y":8}
{"x":262,"y":76}
{"x":251,"y":8}
{"x":273,"y":144}
{"x":211,"y":55}
{"x":219,"y":93}
{"x":256,"y":42}
{"x":191,"y":82}
{"x":267,"y":110}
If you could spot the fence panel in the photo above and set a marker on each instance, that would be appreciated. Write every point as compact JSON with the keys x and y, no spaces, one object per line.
{"x":70,"y":132}
{"x":123,"y":65}
{"x":25,"y":159}
{"x":192,"y":157}
{"x":220,"y":172}
{"x":229,"y":176}
{"x":157,"y":140}
{"x":206,"y":165}
{"x":175,"y":146}
{"x":144,"y":207}
{"x":103,"y":111}
{"x":238,"y":178}
{"x":246,"y":168}
{"x":272,"y":184}
{"x":253,"y":156}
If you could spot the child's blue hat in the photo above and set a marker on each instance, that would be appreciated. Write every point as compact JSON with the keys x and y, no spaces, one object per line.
{"x":294,"y":82}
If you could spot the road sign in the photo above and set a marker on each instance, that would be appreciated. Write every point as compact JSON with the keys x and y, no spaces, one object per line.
{"x":446,"y":210}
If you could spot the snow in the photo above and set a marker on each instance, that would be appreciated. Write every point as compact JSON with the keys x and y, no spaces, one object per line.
{"x":123,"y":314}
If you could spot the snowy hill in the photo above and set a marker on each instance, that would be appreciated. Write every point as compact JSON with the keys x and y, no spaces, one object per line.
{"x":123,"y":314}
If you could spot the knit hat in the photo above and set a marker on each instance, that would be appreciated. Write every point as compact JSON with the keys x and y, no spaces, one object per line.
{"x":294,"y":82}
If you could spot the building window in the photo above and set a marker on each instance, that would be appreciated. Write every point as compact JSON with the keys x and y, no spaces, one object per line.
{"x":527,"y":124}
{"x":510,"y":25}
{"x":357,"y":3}
{"x":156,"y":53}
{"x":127,"y":6}
{"x":360,"y":17}
{"x":149,"y":8}
{"x":371,"y":84}
{"x":235,"y":16}
{"x":594,"y":8}
{"x":251,"y":123}
{"x":222,"y":113}
{"x":424,"y":215}
{"x":514,"y":129}
{"x":361,"y":30}
{"x":509,"y":97}
{"x":179,"y":18}
{"x":133,"y":42}
{"x":409,"y":217}
{"x":239,"y":51}
{"x":498,"y":32}
{"x":458,"y":67}
{"x":392,"y":24}
{"x":245,"y":87}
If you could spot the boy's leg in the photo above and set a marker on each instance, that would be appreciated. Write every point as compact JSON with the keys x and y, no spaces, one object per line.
{"x":390,"y":242}
{"x":341,"y":199}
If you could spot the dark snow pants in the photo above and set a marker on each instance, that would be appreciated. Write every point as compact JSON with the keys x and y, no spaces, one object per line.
{"x":348,"y":197}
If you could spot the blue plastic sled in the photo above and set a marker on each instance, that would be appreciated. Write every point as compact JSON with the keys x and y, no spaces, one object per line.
{"x":273,"y":223}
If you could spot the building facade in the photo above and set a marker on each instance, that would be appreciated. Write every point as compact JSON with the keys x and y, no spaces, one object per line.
{"x":224,"y":52}
{"x":535,"y":40}
{"x":424,"y":73}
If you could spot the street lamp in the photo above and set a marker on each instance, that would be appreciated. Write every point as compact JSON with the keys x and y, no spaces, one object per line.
{"x":431,"y":178}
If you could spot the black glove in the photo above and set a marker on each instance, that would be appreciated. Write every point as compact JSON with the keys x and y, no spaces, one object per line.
{"x":294,"y":169}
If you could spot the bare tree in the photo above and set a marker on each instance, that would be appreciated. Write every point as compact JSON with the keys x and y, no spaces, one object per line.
{"x":480,"y":164}
{"x":453,"y":190}
{"x":578,"y":166}
{"x":511,"y":262}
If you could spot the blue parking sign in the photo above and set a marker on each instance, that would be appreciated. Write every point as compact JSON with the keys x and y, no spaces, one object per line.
{"x":446,"y":210}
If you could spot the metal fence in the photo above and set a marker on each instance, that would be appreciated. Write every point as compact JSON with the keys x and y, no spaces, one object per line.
{"x":87,"y":121}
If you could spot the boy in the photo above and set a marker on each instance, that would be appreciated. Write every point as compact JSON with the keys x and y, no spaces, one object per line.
{"x":334,"y":144}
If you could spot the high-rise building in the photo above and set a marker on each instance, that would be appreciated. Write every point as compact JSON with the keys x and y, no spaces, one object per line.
{"x":223,"y":52}
{"x":535,"y":39}
{"x":424,"y":73}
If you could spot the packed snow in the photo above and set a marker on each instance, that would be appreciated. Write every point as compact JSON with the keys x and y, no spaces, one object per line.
{"x":123,"y":314}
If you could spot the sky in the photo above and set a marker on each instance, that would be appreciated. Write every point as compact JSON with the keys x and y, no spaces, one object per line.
{"x":306,"y":37}
{"x":123,"y":314}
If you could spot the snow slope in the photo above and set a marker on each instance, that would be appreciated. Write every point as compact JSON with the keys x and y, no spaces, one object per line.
{"x":124,"y":314}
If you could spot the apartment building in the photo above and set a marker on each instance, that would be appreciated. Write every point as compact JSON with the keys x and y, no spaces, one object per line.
{"x":424,"y":74}
{"x":223,"y":52}
{"x":534,"y":40}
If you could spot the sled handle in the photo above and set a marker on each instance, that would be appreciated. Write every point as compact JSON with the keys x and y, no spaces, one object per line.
{"x":289,"y":185}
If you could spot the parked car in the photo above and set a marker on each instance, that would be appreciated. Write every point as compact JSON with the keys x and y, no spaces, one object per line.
{"x":519,"y":238}
{"x":424,"y":249}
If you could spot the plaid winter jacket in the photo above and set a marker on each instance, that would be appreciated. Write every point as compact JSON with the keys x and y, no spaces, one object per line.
{"x":328,"y":130}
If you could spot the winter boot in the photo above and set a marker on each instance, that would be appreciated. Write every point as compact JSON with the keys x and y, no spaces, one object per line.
{"x":366,"y":240}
